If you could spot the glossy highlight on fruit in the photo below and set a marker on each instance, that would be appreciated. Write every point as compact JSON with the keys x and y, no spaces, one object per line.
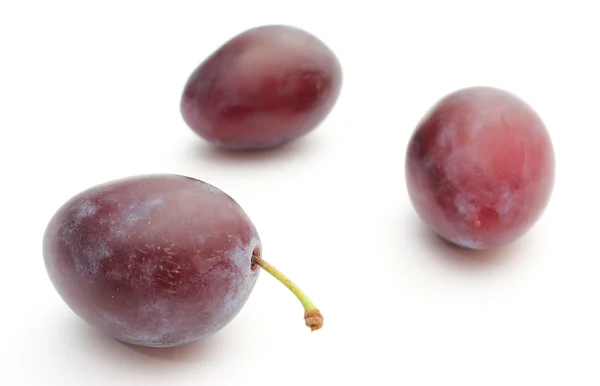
{"x":266,"y":86}
{"x":155,"y":260}
{"x":480,"y":168}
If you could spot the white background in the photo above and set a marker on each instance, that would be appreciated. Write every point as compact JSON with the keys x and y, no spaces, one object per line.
{"x":89,"y":92}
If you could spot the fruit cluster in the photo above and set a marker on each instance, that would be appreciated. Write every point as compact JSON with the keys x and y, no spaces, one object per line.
{"x":164,"y":260}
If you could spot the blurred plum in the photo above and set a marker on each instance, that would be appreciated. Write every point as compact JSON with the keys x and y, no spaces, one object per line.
{"x":265,"y":87}
{"x":480,"y":168}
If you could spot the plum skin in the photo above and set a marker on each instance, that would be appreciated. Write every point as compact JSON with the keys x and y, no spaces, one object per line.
{"x":154,"y":260}
{"x":479,"y":168}
{"x":265,"y":87}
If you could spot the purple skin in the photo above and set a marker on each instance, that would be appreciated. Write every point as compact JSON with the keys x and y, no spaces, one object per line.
{"x":265,"y":87}
{"x":154,"y":260}
{"x":480,"y":168}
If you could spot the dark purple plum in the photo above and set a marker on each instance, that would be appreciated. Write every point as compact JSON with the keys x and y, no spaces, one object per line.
{"x":480,"y":168}
{"x":156,"y":260}
{"x":264,"y":87}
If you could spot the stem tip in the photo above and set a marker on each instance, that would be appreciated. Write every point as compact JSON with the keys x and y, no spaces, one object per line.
{"x":313,"y":319}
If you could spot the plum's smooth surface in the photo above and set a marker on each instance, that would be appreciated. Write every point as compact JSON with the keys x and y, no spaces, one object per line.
{"x":154,"y":260}
{"x":480,"y":168}
{"x":265,"y":87}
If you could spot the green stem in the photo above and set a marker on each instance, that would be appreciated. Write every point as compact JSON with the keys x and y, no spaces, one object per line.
{"x":312,"y":315}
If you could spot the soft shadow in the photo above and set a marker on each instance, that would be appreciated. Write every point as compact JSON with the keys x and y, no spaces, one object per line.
{"x":203,"y":151}
{"x":460,"y":256}
{"x":456,"y":256}
{"x":93,"y":342}
{"x":192,"y":352}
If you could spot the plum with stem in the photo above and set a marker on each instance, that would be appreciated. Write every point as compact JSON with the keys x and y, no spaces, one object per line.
{"x":157,"y":260}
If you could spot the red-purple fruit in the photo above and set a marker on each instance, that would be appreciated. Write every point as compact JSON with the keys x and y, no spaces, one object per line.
{"x":265,"y":87}
{"x":157,"y":260}
{"x":480,"y":168}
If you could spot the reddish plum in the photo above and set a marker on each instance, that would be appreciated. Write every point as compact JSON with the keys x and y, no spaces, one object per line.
{"x":156,"y":260}
{"x":265,"y":87}
{"x":480,"y":168}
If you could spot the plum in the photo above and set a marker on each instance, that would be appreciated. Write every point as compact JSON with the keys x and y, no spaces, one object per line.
{"x":156,"y":260}
{"x":266,"y":86}
{"x":480,"y":167}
